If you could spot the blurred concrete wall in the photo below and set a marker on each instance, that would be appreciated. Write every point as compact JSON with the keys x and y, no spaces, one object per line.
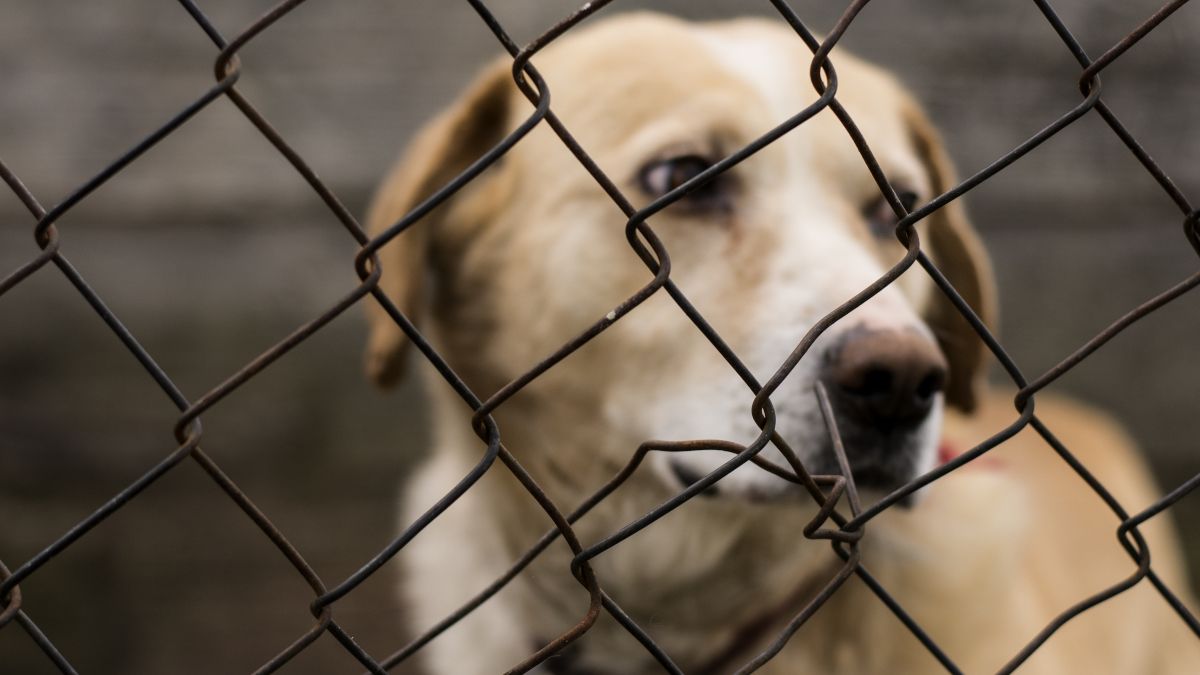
{"x":210,"y":248}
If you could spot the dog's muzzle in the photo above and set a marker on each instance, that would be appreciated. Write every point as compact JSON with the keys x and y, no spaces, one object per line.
{"x":885,"y":388}
{"x":883,"y":385}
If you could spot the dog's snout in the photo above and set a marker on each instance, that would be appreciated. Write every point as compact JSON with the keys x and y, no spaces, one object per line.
{"x":886,"y":379}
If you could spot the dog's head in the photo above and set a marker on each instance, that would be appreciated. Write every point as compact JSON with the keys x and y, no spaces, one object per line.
{"x":533,"y":252}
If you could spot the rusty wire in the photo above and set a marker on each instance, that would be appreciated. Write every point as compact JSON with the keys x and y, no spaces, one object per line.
{"x":829,"y":491}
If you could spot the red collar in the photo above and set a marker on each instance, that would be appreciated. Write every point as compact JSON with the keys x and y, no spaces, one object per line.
{"x":947,"y":451}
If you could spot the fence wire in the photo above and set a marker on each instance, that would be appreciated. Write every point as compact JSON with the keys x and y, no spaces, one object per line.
{"x":829,"y":491}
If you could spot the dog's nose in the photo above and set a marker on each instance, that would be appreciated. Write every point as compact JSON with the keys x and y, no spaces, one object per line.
{"x":885,"y":379}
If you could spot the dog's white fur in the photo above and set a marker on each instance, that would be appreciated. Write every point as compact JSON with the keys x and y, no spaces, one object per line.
{"x":533,"y":252}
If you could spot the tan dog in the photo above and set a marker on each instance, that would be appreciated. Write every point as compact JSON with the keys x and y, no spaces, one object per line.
{"x":533,"y":252}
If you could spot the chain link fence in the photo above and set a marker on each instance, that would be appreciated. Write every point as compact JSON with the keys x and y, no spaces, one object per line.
{"x":839,"y":520}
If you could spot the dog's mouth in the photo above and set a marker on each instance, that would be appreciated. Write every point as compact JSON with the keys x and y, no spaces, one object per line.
{"x":877,"y":481}
{"x":768,"y":489}
{"x":871,"y":479}
{"x":688,"y":477}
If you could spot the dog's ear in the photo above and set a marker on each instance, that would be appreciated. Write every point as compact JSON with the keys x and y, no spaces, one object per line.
{"x":957,"y":251}
{"x":442,"y":150}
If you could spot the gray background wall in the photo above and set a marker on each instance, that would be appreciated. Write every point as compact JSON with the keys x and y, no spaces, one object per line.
{"x":210,"y":248}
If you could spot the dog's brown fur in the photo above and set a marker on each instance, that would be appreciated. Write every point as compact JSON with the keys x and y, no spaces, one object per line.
{"x":532,"y":252}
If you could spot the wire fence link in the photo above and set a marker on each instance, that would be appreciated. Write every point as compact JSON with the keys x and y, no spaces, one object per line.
{"x":833,"y":493}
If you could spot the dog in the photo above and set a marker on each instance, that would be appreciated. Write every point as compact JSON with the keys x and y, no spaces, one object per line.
{"x":533,"y":252}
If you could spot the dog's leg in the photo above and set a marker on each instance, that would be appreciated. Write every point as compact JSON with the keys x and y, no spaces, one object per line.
{"x":455,"y":557}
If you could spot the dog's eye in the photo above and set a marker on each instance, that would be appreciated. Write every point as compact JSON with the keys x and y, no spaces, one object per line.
{"x":661,"y":176}
{"x":881,"y":217}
